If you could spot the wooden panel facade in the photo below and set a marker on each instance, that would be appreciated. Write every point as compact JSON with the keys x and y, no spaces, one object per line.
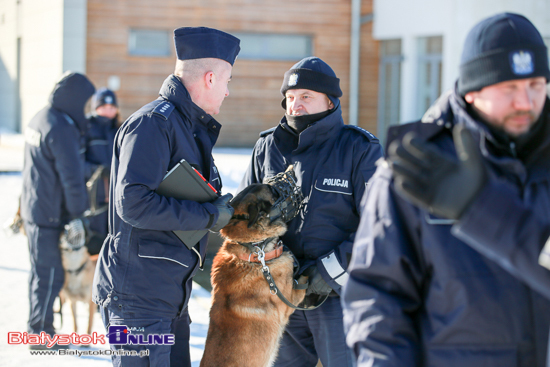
{"x":254,"y":101}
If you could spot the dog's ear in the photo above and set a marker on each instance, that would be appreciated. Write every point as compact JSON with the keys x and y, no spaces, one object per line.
{"x":254,"y":213}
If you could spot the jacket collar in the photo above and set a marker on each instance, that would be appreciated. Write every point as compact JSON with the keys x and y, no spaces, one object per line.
{"x":174,"y":91}
{"x":498,"y":143}
{"x":317,"y":133}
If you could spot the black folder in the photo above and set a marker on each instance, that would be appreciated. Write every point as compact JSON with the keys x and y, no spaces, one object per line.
{"x":183,"y":182}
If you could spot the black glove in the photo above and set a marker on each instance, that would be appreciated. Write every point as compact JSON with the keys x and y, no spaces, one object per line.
{"x":226,"y":211}
{"x":316,"y":283}
{"x":435,"y":181}
{"x":75,"y":232}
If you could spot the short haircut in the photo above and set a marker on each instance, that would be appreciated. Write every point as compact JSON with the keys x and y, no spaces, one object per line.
{"x":191,"y":70}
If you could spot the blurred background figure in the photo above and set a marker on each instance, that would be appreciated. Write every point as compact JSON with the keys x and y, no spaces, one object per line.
{"x":54,"y":192}
{"x":103,"y":125}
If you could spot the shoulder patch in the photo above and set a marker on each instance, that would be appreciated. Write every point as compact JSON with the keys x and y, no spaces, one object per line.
{"x":267,"y":132}
{"x":164,"y":109}
{"x":368,"y":134}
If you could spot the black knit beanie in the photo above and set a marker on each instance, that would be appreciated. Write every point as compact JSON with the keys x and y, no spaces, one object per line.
{"x":314,"y":74}
{"x":503,"y":47}
{"x":103,"y":96}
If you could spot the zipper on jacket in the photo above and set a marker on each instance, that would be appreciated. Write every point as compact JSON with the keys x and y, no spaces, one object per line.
{"x":513,"y":149}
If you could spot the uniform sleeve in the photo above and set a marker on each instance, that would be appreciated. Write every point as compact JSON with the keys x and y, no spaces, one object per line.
{"x":144,"y":156}
{"x":501,"y":227}
{"x":333,"y":266}
{"x":64,"y":143}
{"x":382,"y":297}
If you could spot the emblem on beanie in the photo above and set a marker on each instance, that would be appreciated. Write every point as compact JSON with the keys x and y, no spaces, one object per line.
{"x":293,"y":80}
{"x":108,"y":100}
{"x":522,"y":62}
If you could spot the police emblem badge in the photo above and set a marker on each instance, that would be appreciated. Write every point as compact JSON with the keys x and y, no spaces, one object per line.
{"x":522,"y":62}
{"x":293,"y":80}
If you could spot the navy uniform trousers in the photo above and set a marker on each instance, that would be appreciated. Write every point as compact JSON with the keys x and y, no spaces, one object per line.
{"x":176,"y":355}
{"x":46,"y":277}
{"x":311,"y":335}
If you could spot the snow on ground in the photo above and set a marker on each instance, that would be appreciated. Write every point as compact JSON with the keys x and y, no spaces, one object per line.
{"x":14,"y":271}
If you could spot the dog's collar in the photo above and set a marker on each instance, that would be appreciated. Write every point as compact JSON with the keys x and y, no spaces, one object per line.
{"x":77,"y":270}
{"x":253,"y":255}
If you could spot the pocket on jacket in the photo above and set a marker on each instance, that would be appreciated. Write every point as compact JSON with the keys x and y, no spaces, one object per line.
{"x":159,"y":251}
{"x":460,"y":355}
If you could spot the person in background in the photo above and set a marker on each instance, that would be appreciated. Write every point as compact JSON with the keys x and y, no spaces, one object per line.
{"x":103,"y":125}
{"x":418,"y":294}
{"x":333,"y":163}
{"x":143,"y":278}
{"x":54,"y":192}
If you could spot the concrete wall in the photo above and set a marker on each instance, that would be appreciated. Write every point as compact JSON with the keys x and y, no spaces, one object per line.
{"x":53,"y":40}
{"x":8,"y":65}
{"x":451,"y":19}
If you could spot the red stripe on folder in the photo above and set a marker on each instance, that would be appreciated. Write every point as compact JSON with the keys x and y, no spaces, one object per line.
{"x":204,"y":179}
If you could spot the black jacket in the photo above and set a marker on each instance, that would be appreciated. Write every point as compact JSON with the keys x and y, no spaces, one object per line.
{"x":143,"y":264}
{"x":54,"y":188}
{"x":418,"y":295}
{"x":333,"y":163}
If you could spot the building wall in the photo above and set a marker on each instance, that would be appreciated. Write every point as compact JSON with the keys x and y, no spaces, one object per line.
{"x":254,"y":101}
{"x":452,"y":19}
{"x":8,"y":64}
{"x":52,"y":41}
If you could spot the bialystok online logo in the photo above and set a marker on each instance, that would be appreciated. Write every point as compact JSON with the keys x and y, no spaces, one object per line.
{"x":118,"y":335}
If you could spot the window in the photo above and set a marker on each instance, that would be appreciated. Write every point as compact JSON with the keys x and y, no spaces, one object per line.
{"x":429,"y":71}
{"x":146,"y":42}
{"x":389,"y":86}
{"x":256,"y":46}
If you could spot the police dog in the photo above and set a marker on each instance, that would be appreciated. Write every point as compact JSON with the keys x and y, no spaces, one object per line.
{"x":246,"y":319}
{"x":79,"y":275}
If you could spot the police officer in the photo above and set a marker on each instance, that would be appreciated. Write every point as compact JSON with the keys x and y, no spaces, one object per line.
{"x":418,"y":295}
{"x":143,"y":279}
{"x":482,"y":206}
{"x":54,"y":191}
{"x":333,"y":163}
{"x":103,"y":125}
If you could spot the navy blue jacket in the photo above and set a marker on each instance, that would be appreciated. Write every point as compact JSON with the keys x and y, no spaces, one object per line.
{"x":54,"y":188}
{"x":100,"y":140}
{"x":99,"y":151}
{"x":419,"y":296}
{"x":516,"y":245}
{"x":333,"y":163}
{"x":143,"y":264}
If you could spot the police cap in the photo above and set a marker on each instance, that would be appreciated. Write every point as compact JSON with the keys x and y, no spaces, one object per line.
{"x":203,"y":42}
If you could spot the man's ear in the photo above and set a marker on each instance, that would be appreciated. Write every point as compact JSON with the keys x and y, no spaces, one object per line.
{"x":209,"y":79}
{"x":469,"y":97}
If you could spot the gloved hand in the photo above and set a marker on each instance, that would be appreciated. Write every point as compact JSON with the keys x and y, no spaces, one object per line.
{"x":75,"y":233}
{"x":226,"y":211}
{"x":435,"y":181}
{"x":317,"y":284}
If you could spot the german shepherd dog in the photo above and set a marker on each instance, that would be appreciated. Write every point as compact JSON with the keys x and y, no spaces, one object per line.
{"x":246,"y":319}
{"x":79,"y":275}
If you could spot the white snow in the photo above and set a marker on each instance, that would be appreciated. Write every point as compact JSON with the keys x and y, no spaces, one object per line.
{"x":14,"y":271}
